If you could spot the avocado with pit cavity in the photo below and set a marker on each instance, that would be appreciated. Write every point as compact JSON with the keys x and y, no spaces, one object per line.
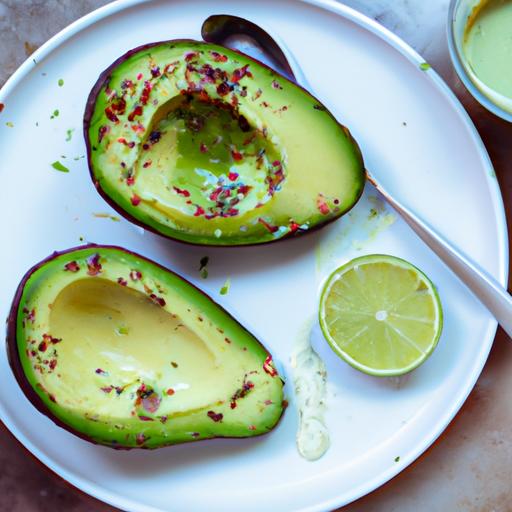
{"x":205,"y":145}
{"x":123,"y":352}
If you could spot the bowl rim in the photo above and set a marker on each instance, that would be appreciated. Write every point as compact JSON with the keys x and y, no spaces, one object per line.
{"x":456,"y":59}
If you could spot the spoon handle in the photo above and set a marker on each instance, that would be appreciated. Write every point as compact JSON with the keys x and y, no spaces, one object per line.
{"x":497,"y":300}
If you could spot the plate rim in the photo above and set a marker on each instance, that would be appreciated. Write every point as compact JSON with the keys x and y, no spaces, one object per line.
{"x":388,"y":37}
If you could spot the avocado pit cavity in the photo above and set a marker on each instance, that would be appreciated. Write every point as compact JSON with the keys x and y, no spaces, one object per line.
{"x":204,"y":159}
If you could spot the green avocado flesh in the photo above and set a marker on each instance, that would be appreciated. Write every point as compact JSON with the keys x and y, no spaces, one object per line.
{"x":128,"y":354}
{"x":205,"y":145}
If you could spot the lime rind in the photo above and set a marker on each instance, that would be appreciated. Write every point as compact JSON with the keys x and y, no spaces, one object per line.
{"x":386,"y":289}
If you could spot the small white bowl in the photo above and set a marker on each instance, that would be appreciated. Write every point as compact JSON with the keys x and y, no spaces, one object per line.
{"x":459,"y":12}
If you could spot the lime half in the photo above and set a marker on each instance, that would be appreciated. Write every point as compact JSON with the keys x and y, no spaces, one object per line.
{"x":381,"y":314}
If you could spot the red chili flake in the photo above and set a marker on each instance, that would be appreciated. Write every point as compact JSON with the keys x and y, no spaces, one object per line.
{"x":144,"y":96}
{"x":163,"y":419}
{"x":271,"y":228}
{"x":232,"y":176}
{"x":257,"y":94}
{"x":52,"y":398}
{"x":284,"y":403}
{"x":135,"y":275}
{"x":223,"y":89}
{"x":199,"y":211}
{"x":118,"y":105}
{"x":268,"y":402}
{"x":122,"y":281}
{"x":30,"y":315}
{"x":93,"y":265}
{"x":155,"y":72}
{"x":137,"y":128}
{"x":214,"y":416}
{"x":122,"y":140}
{"x":130,"y":180}
{"x":102,"y":131}
{"x":52,"y":364}
{"x":236,"y":155}
{"x":265,"y":104}
{"x":276,"y":85}
{"x":159,"y":301}
{"x":239,"y":73}
{"x":147,"y":164}
{"x":140,"y":439}
{"x":232,"y":405}
{"x":109,"y":113}
{"x":203,"y":148}
{"x":336,"y":201}
{"x":269,"y":367}
{"x":33,"y":353}
{"x":322,"y":205}
{"x":72,"y":266}
{"x":48,"y":338}
{"x":42,"y":346}
{"x":2,"y":106}
{"x":145,"y":418}
{"x":191,"y":55}
{"x":204,"y":96}
{"x":217,"y":57}
{"x":101,"y":372}
{"x":107,"y":389}
{"x":243,"y":92}
{"x":135,"y":200}
{"x":251,"y":427}
{"x":137,"y":111}
{"x":293,"y":227}
{"x":195,"y":434}
{"x":234,"y":100}
{"x":170,"y":392}
{"x":244,"y":189}
{"x":139,"y":76}
{"x":126,"y":84}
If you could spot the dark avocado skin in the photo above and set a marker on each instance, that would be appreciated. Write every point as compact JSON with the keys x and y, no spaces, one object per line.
{"x":131,"y":213}
{"x":16,"y":346}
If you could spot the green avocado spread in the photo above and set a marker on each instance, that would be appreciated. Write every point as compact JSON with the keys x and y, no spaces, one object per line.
{"x":488,"y":45}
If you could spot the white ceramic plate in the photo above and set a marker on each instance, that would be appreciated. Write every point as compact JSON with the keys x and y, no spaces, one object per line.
{"x":414,"y":135}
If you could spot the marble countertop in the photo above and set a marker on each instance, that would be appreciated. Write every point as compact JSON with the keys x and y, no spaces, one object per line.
{"x":468,"y":468}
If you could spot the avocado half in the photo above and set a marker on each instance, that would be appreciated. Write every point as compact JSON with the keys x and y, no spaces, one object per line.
{"x":206,"y":145}
{"x":123,"y":352}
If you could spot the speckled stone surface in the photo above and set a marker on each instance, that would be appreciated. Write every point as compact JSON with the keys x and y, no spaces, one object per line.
{"x":468,"y":468}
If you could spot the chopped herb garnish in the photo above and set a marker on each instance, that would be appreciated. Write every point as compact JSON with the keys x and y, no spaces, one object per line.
{"x":60,"y":82}
{"x":123,"y":331}
{"x":397,"y":459}
{"x":424,"y":66}
{"x":59,"y":167}
{"x":9,"y":124}
{"x":55,"y":114}
{"x":114,"y":218}
{"x":69,"y":134}
{"x":225,"y":288}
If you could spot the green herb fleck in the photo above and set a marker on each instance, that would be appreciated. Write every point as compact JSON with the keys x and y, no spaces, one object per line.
{"x":397,"y":459}
{"x":69,"y":134}
{"x":9,"y":124}
{"x":78,"y":157}
{"x":425,"y":66}
{"x":123,"y":331}
{"x":81,"y":239}
{"x":55,"y":114}
{"x":115,"y":218}
{"x":59,"y":167}
{"x":225,"y":288}
{"x":373,"y":213}
{"x":203,"y":262}
{"x":60,"y":82}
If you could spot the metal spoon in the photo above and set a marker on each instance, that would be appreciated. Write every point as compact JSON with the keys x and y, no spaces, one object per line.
{"x":247,"y":37}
